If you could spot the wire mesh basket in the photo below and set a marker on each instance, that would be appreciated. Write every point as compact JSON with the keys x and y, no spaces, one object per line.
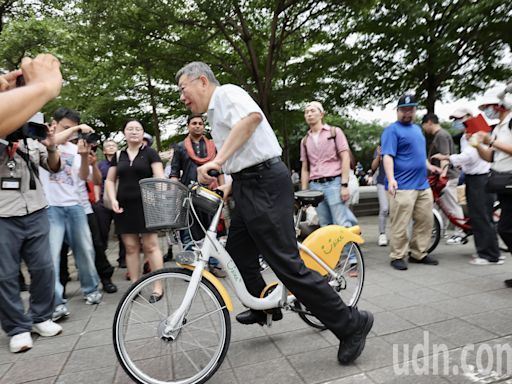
{"x":165,"y":204}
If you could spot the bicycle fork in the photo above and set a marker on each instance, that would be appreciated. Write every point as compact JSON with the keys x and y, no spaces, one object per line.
{"x":171,"y":326}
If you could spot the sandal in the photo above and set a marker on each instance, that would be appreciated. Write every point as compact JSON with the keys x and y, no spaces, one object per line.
{"x":155,"y":296}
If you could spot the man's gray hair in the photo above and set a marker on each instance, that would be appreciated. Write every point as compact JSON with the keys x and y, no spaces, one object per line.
{"x":195,"y":69}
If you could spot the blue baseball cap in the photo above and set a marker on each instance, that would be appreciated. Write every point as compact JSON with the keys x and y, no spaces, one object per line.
{"x":407,"y":100}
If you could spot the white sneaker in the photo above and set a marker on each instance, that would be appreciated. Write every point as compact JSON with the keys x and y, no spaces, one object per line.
{"x":60,"y":311}
{"x":21,"y":342}
{"x":47,"y":328}
{"x":93,"y":298}
{"x":482,"y":261}
{"x":454,"y":240}
{"x":383,"y":240}
{"x":502,"y":256}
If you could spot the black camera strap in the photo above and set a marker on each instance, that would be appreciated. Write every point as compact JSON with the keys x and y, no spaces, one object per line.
{"x":32,"y":168}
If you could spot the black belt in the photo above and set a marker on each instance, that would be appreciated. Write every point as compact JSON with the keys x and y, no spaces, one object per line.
{"x":324,"y":179}
{"x":259,"y":167}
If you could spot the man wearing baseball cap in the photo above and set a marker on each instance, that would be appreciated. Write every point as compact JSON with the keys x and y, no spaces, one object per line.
{"x":405,"y":163}
{"x":480,"y":203}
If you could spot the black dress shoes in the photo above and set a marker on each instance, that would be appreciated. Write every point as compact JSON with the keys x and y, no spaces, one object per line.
{"x":399,"y":264}
{"x":427,"y":260}
{"x":258,"y":317}
{"x":109,"y":286}
{"x":352,"y":345}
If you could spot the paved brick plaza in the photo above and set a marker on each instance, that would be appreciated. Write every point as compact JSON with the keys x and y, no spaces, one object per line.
{"x":457,"y":303}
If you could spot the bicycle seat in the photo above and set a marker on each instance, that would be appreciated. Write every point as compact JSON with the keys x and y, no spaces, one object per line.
{"x":356,"y":229}
{"x":309,"y":197}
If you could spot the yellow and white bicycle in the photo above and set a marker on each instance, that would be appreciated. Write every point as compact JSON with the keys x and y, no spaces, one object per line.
{"x":184,"y":337}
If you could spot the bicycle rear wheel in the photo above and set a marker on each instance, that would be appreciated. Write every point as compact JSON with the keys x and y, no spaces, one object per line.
{"x":195,"y":350}
{"x":348,"y":282}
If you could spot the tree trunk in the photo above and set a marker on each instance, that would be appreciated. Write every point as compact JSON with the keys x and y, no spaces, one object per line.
{"x":432,"y":94}
{"x":154,"y":115}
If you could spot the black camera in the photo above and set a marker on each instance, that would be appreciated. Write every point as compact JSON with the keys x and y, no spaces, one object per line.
{"x":32,"y":129}
{"x":90,"y":138}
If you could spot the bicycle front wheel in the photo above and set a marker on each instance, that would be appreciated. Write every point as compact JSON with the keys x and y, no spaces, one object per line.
{"x":192,"y":352}
{"x":347,"y":282}
{"x":436,"y":235}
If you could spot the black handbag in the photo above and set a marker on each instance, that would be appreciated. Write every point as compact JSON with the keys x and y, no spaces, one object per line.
{"x":499,"y":182}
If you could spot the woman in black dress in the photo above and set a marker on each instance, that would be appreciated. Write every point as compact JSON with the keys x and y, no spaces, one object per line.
{"x":136,"y":162}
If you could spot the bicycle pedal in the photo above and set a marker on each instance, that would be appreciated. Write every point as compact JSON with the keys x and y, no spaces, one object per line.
{"x":185,"y":257}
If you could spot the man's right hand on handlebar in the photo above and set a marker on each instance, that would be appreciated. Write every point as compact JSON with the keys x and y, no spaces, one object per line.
{"x":202,"y":172}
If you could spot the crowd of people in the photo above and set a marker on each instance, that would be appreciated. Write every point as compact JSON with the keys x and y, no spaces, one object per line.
{"x":57,"y":183}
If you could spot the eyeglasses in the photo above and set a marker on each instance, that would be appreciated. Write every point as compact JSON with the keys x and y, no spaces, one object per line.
{"x":134,"y":129}
{"x":183,"y":87}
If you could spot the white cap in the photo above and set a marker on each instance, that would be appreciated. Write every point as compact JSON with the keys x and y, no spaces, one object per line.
{"x":315,"y":104}
{"x":502,"y":98}
{"x":460,"y":113}
{"x":488,"y":100}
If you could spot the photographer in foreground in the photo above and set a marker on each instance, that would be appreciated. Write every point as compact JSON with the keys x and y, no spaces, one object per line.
{"x":23,"y":214}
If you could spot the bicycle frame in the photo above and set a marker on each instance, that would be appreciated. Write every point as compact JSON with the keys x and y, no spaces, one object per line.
{"x":460,"y":222}
{"x":211,"y":246}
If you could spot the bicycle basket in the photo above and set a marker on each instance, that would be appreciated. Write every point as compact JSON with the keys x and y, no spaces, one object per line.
{"x":164,"y":203}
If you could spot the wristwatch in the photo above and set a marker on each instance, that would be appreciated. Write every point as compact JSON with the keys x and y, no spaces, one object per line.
{"x":52,"y":149}
{"x":344,"y":185}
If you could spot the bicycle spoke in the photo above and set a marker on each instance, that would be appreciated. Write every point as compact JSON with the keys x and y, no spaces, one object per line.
{"x":153,"y":307}
{"x":196,"y":348}
{"x":201,"y":317}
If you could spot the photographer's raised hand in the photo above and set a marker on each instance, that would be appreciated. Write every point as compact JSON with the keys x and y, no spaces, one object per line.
{"x":51,"y":146}
{"x":44,"y":70}
{"x":8,"y":81}
{"x":83,"y":150}
{"x":50,"y":140}
{"x":43,"y":82}
{"x":72,"y":133}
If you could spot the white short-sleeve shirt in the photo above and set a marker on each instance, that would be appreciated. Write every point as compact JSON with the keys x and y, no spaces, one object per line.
{"x":230,"y":104}
{"x":62,"y":188}
{"x":502,"y":161}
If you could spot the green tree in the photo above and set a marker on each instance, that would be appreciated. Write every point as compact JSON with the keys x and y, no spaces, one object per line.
{"x":279,"y":51}
{"x":434,"y":47}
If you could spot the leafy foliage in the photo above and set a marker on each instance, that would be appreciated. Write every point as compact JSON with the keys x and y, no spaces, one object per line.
{"x":119,"y":58}
{"x":433,"y":47}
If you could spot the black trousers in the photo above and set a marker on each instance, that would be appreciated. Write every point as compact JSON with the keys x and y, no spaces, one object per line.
{"x":480,"y":206}
{"x":103,"y":267}
{"x":505,"y":224}
{"x":105,"y":217}
{"x":262,"y":222}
